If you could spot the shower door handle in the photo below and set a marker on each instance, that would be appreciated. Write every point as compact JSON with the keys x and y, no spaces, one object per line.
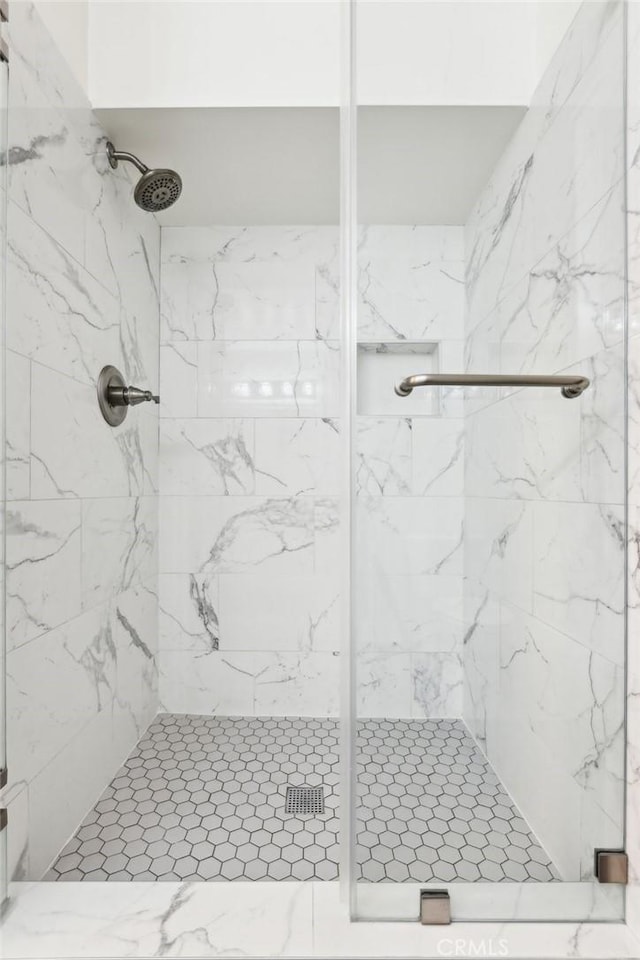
{"x":570,"y":387}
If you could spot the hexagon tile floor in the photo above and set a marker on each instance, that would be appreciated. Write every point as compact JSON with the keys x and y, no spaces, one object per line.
{"x":203,"y":798}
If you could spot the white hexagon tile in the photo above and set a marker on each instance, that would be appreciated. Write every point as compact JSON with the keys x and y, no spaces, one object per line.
{"x":203,"y":798}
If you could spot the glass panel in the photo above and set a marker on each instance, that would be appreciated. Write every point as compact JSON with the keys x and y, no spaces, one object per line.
{"x":348,"y":333}
{"x":4,"y":90}
{"x":488,"y":575}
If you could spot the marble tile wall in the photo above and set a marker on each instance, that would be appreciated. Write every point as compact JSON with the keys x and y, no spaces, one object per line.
{"x":544,"y":476}
{"x":82,"y":291}
{"x":250,"y":471}
{"x":409,"y":478}
{"x":250,"y":465}
{"x":632,"y":840}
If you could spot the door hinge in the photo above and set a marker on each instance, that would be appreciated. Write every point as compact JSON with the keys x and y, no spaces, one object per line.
{"x":611,"y":866}
{"x":435,"y":906}
{"x":4,"y":778}
{"x":4,"y":818}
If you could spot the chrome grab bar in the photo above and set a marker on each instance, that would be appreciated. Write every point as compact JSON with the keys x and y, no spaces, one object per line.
{"x":570,"y":387}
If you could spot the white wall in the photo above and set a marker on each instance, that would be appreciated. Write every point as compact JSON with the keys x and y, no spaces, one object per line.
{"x":162,"y":53}
{"x":172,"y":54}
{"x":68,"y":23}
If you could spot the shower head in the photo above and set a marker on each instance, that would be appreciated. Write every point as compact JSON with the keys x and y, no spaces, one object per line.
{"x":156,"y":189}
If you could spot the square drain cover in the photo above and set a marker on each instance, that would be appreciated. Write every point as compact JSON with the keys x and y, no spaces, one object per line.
{"x":304,"y":800}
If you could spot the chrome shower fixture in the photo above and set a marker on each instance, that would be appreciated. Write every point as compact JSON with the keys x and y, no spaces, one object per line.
{"x":115,"y":397}
{"x":156,"y":189}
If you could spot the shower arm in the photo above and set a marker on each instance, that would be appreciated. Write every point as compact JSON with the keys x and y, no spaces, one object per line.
{"x":570,"y":387}
{"x":116,"y":155}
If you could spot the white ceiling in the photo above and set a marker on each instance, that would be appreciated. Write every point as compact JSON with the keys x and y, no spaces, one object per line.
{"x":281,"y":165}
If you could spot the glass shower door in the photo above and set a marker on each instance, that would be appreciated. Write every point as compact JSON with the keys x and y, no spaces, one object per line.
{"x":488,"y":637}
{"x":4,"y":110}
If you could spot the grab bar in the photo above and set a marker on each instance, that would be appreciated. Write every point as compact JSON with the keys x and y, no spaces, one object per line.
{"x":570,"y":387}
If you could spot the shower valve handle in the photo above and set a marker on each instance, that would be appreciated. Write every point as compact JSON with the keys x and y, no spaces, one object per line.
{"x":130,"y":396}
{"x":115,"y":397}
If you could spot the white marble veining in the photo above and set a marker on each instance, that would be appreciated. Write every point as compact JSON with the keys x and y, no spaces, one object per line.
{"x":57,"y":313}
{"x":18,"y":428}
{"x":236,"y":535}
{"x":411,"y":283}
{"x":544,"y":477}
{"x":249,"y":283}
{"x":44,"y":566}
{"x":296,"y":457}
{"x":146,"y":920}
{"x":632,"y":769}
{"x":284,"y":378}
{"x":118,"y":462}
{"x":207,"y":457}
{"x":579,"y":574}
{"x":118,"y":545}
{"x":179,"y":379}
{"x":412,"y":535}
{"x":555,"y":154}
{"x":82,"y":291}
{"x":270,"y":919}
{"x":408,"y":473}
{"x":384,"y":456}
{"x":292,"y":613}
{"x":258,"y":683}
{"x":252,"y":454}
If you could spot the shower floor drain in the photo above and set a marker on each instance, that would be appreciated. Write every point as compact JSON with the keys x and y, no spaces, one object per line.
{"x":304,"y":800}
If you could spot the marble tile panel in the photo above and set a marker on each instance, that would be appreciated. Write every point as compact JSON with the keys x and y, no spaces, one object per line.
{"x":269,"y":379}
{"x":119,"y":539}
{"x":293,"y":613}
{"x":209,"y":683}
{"x":411,"y":535}
{"x":409,"y":299}
{"x":409,"y":613}
{"x":209,"y":535}
{"x":436,"y":685}
{"x":298,"y":684}
{"x":384,"y":456}
{"x":295,"y":457}
{"x":579,"y":573}
{"x":57,"y":313}
{"x":525,"y":447}
{"x":43,"y":717}
{"x":207,"y":457}
{"x":189,"y":613}
{"x":18,"y":426}
{"x":114,"y":461}
{"x":179,"y":380}
{"x":44,"y":566}
{"x":438,"y":457}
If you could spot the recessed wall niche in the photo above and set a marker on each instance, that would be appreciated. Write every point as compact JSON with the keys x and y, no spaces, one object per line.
{"x":383,"y":365}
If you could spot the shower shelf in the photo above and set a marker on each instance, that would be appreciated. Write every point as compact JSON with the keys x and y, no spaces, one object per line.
{"x":383,"y":364}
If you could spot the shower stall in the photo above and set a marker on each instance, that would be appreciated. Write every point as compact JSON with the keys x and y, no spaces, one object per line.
{"x":351,"y":600}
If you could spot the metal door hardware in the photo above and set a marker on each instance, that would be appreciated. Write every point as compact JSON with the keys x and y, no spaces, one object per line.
{"x":570,"y":387}
{"x":435,"y":907}
{"x":611,"y":866}
{"x":115,"y":397}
